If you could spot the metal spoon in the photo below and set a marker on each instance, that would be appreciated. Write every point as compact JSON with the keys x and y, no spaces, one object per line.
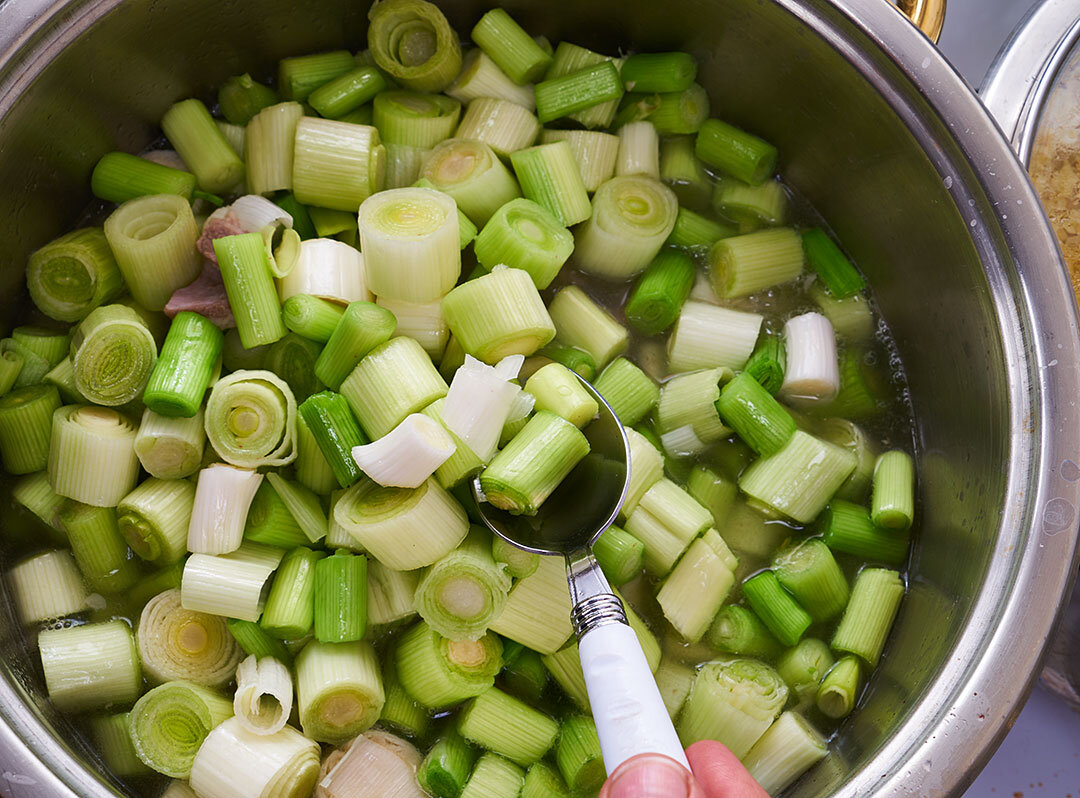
{"x":630,"y":715}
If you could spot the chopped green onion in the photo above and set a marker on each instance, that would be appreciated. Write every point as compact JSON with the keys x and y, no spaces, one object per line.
{"x":269,"y":520}
{"x":339,"y":690}
{"x":158,"y":229}
{"x":734,"y":702}
{"x":113,"y":354}
{"x":659,"y":72}
{"x":631,"y":218}
{"x":894,"y":491}
{"x":735,"y":152}
{"x":639,"y":150}
{"x":751,"y":206}
{"x":290,"y":607}
{"x":90,"y":667}
{"x":52,"y":346}
{"x":577,"y":91}
{"x":299,"y":76}
{"x":72,"y":274}
{"x":533,"y":464}
{"x":284,"y":764}
{"x":232,"y":585}
{"x":170,"y":722}
{"x":594,"y":152}
{"x":263,"y":698}
{"x":875,"y":599}
{"x":852,"y":318}
{"x":118,"y":177}
{"x":666,"y":520}
{"x":621,"y":556}
{"x":251,"y":419}
{"x":809,"y":572}
{"x":413,"y":43}
{"x":687,"y":415}
{"x":303,"y":504}
{"x":524,"y":235}
{"x":268,"y":147}
{"x":337,"y":164}
{"x":48,"y":586}
{"x":182,"y":374}
{"x":839,"y":689}
{"x":410,"y":240}
{"x":471,"y":173}
{"x":508,"y":727}
{"x":738,"y":630}
{"x":91,"y":454}
{"x":800,"y":479}
{"x":803,"y":667}
{"x":439,"y":672}
{"x":462,"y":592}
{"x":154,"y":519}
{"x":191,"y":130}
{"x":334,"y":428}
{"x":414,"y":119}
{"x":559,"y":391}
{"x":847,"y":528}
{"x":835,"y":270}
{"x":509,"y":46}
{"x":578,"y":754}
{"x":580,"y":322}
{"x":394,"y":380}
{"x":480,"y":78}
{"x":249,"y":285}
{"x":549,"y":175}
{"x":787,"y":750}
{"x":176,"y":643}
{"x":240,"y":98}
{"x":311,"y":317}
{"x":537,"y":612}
{"x":347,"y":92}
{"x":755,"y":415}
{"x":26,"y":427}
{"x":646,"y":469}
{"x":743,"y":265}
{"x":170,"y":448}
{"x":767,"y":363}
{"x":503,"y":125}
{"x":629,"y":390}
{"x":11,"y":365}
{"x":447,"y":766}
{"x":112,"y":737}
{"x":575,"y":359}
{"x":692,"y":593}
{"x":685,"y":174}
{"x":777,"y":609}
{"x":223,"y":496}
{"x":401,"y":712}
{"x":403,"y":528}
{"x":543,"y":781}
{"x":659,"y":294}
{"x":361,"y":328}
{"x":340,"y":597}
{"x":254,"y":640}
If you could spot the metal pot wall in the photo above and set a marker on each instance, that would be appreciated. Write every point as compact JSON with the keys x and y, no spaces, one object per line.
{"x":875,"y":130}
{"x":1031,"y":90}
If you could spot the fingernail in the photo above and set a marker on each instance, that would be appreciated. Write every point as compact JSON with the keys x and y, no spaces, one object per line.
{"x":652,"y":776}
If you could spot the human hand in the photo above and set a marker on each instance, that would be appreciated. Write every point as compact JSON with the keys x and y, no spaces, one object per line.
{"x":717,"y":774}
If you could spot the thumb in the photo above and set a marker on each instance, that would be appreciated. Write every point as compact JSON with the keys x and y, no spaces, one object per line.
{"x":721,"y":773}
{"x":651,"y":776}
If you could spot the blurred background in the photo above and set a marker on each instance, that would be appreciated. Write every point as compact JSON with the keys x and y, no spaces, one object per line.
{"x":1041,"y":755}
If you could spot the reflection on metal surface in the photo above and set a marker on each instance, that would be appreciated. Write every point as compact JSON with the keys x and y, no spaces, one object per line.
{"x":928,"y":15}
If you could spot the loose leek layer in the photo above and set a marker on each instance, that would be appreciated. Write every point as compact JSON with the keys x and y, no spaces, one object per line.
{"x":251,"y":419}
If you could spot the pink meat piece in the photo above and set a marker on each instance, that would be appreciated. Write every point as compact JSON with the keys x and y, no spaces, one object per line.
{"x":217,"y":225}
{"x":205,"y":296}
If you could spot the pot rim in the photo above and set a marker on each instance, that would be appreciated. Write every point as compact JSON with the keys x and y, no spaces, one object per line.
{"x":957,"y":723}
{"x":1026,"y":68}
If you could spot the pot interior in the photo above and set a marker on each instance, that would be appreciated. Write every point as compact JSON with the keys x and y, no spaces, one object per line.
{"x":100,"y":74}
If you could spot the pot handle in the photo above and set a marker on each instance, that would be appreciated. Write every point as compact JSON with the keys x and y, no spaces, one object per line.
{"x":928,"y":15}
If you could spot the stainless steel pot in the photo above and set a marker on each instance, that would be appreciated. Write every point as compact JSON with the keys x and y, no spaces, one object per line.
{"x":1031,"y":84}
{"x":876,"y":131}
